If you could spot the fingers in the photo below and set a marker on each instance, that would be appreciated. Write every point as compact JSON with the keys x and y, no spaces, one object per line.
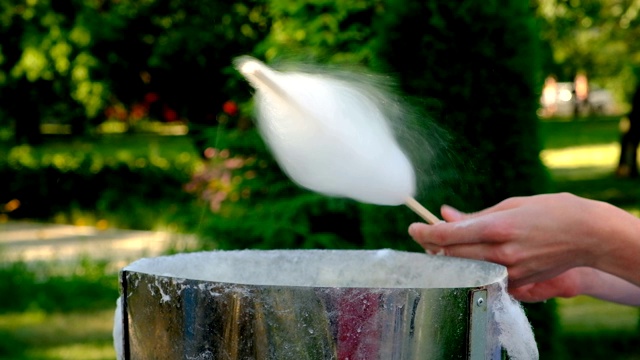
{"x":465,"y":231}
{"x":507,"y":204}
{"x":492,"y":225}
{"x":451,"y":214}
{"x":441,"y":234}
{"x":478,"y":251}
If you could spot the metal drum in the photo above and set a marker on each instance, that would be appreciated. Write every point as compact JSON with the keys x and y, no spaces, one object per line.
{"x":308,"y":304}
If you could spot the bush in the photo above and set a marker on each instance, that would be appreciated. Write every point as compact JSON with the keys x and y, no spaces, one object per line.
{"x":133,"y":191}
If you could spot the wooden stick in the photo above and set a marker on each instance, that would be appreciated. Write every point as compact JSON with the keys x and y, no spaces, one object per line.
{"x":255,"y":70}
{"x":421,"y":211}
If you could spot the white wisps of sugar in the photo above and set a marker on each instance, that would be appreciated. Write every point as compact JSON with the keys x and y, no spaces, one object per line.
{"x":514,"y":331}
{"x":118,"y":331}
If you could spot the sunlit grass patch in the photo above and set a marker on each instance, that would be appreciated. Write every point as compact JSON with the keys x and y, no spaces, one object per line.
{"x":45,"y":329}
{"x":87,"y":351}
{"x":588,"y":156}
{"x":76,"y":335}
{"x":583,"y":314}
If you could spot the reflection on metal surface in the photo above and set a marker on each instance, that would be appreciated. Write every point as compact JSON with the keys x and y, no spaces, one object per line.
{"x":173,"y":318}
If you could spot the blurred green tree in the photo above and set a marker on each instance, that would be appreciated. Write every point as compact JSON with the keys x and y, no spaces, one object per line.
{"x":65,"y":61}
{"x":594,"y":36}
{"x":325,"y":31}
{"x":46,"y":66}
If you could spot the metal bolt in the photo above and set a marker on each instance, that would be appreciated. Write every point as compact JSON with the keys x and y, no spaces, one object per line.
{"x":480,"y":302}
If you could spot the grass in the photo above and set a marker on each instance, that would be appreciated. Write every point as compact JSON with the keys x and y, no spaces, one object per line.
{"x":585,"y":131}
{"x":585,"y":315}
{"x":57,"y":311}
{"x":582,"y":157}
{"x":39,"y":335}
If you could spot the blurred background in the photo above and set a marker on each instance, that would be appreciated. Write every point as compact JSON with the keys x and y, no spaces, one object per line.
{"x":126,"y":132}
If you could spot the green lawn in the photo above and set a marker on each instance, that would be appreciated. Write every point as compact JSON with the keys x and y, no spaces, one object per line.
{"x":54,"y":310}
{"x":36,"y":334}
{"x":585,"y":131}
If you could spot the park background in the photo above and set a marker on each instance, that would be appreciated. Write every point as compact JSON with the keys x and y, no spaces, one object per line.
{"x":121,"y":114}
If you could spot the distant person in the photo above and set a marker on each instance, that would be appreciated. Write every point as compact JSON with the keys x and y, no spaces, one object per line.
{"x":628,"y":164}
{"x":581,"y":93}
{"x":550,"y":96}
{"x":553,"y":245}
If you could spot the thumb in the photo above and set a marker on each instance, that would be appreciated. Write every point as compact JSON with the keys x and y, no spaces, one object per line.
{"x":450,"y":214}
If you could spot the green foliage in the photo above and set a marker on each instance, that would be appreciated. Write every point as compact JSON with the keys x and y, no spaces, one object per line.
{"x":64,"y":62}
{"x":322,"y":30}
{"x":48,"y":47}
{"x":35,"y":287}
{"x":182,"y":51}
{"x":141,"y":187}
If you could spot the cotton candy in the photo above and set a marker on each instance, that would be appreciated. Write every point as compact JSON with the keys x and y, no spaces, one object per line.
{"x":330,"y":135}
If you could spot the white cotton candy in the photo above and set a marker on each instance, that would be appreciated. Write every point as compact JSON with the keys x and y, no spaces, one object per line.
{"x":330,"y":135}
{"x":514,"y":331}
{"x":118,"y":331}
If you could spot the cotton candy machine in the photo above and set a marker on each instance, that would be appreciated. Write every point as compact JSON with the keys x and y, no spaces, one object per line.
{"x":312,"y":304}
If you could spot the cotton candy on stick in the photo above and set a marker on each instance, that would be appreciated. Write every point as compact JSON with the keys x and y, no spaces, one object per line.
{"x":331,"y":136}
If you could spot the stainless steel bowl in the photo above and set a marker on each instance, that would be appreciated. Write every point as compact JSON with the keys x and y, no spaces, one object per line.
{"x":309,"y":304}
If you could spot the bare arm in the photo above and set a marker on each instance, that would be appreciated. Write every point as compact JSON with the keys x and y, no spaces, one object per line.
{"x":611,"y":288}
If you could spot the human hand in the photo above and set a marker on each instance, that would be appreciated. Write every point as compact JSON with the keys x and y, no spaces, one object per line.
{"x":537,"y":238}
{"x":568,"y":284}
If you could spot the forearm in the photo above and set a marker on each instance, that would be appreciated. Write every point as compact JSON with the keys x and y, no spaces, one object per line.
{"x":604,"y":286}
{"x":619,"y":251}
